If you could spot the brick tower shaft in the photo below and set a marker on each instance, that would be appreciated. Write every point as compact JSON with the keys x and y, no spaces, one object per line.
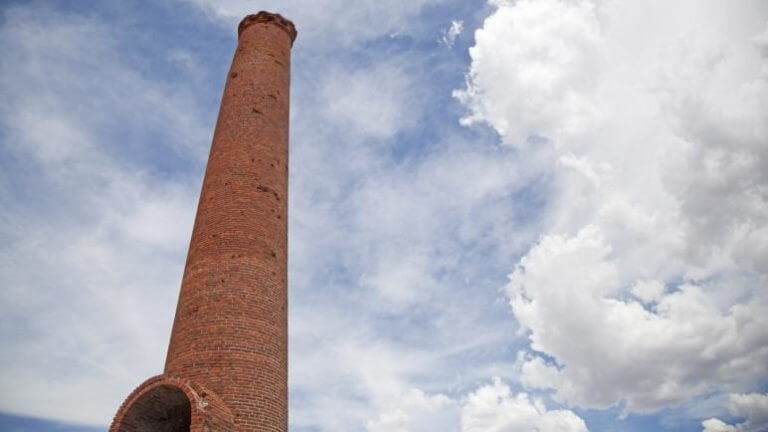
{"x":229,"y":342}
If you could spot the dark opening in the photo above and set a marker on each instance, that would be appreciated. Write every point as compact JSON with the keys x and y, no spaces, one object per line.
{"x":162,"y":409}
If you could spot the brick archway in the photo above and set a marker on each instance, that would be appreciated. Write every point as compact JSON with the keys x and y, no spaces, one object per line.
{"x":170,"y":404}
{"x":162,"y":409}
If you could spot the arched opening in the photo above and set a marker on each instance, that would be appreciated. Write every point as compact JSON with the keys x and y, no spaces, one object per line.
{"x":161,"y":409}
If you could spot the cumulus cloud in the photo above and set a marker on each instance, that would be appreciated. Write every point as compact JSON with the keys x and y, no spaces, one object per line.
{"x":752,"y":406}
{"x":417,"y":412}
{"x":679,"y":346}
{"x":491,"y":408}
{"x":647,"y":286}
{"x":643,"y":150}
{"x":494,"y":408}
{"x":544,"y":55}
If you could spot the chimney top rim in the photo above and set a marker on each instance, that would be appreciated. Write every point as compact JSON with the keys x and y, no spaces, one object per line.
{"x":268,"y":17}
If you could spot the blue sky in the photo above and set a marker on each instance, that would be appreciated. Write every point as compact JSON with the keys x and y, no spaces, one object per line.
{"x":504,"y":215}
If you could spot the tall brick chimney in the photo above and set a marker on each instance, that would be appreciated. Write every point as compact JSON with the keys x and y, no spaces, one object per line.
{"x":227,"y":362}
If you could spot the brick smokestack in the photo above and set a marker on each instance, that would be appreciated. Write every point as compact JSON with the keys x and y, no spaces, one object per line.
{"x":227,"y":362}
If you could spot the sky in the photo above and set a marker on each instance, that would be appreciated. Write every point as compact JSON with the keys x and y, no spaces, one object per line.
{"x":504,"y":215}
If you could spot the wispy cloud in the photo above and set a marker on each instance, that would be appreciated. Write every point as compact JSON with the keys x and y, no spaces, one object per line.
{"x":617,"y":173}
{"x":89,"y":232}
{"x":324,"y":21}
{"x":450,"y":34}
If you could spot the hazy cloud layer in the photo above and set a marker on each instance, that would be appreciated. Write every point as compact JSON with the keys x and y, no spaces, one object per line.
{"x":380,"y":221}
{"x":88,"y":237}
{"x":610,"y":155}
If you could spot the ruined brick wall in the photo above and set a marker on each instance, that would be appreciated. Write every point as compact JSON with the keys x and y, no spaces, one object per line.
{"x":230,"y":330}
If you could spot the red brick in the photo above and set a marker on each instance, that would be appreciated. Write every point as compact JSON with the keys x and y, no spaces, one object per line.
{"x":229,"y":337}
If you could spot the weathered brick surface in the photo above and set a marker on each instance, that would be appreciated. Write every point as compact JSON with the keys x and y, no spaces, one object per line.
{"x":230,"y":330}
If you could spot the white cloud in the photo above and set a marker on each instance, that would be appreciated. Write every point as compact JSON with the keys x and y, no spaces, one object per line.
{"x":417,"y":412}
{"x":648,"y":284}
{"x":544,"y":55}
{"x":452,"y":32}
{"x":648,"y":291}
{"x":494,"y":408}
{"x":395,"y":309}
{"x":372,"y":102}
{"x":392,"y":261}
{"x":92,"y":246}
{"x":566,"y":290}
{"x":715,"y":425}
{"x":401,"y":278}
{"x":490,"y":408}
{"x":374,"y":240}
{"x":752,"y":406}
{"x":320,"y":21}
